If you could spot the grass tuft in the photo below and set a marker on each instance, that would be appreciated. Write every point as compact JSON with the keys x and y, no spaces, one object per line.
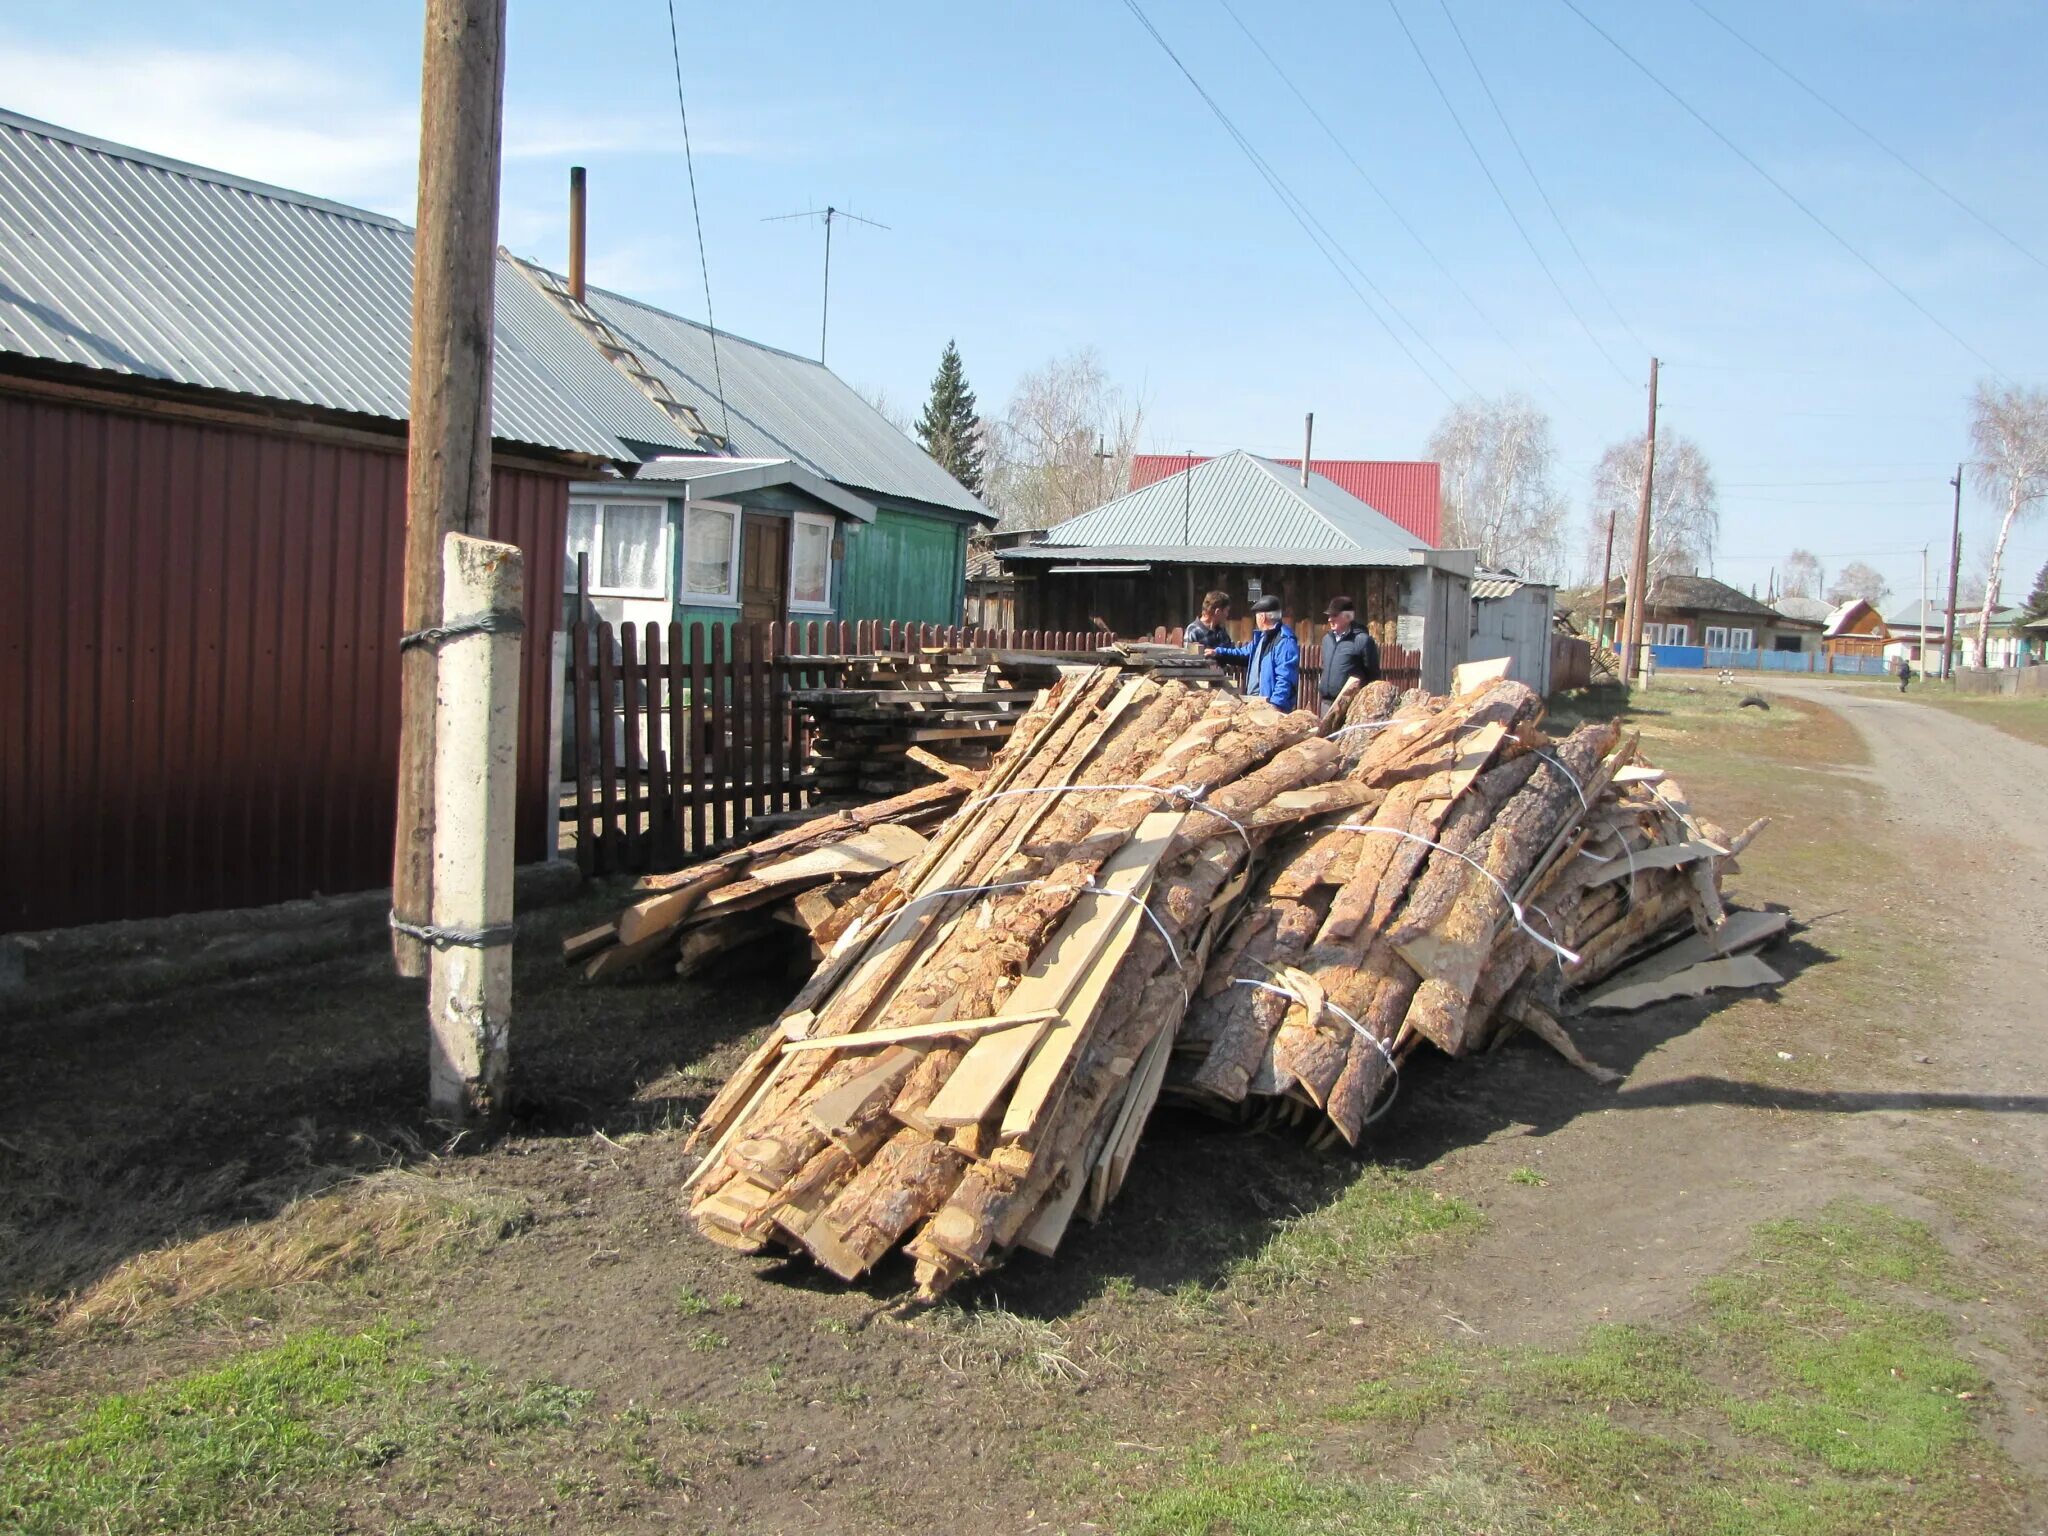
{"x":1379,"y":1214}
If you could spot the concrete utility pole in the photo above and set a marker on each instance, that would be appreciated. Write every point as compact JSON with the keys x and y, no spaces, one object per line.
{"x":1955,"y":566}
{"x":1606,"y":580}
{"x":1920,"y":646}
{"x":1639,"y":567}
{"x":476,"y":779}
{"x":448,"y":456}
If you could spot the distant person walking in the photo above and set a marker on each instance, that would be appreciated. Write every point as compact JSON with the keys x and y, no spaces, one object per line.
{"x":1272,"y":657}
{"x":1349,"y":650}
{"x":1905,"y":673}
{"x":1207,"y":629}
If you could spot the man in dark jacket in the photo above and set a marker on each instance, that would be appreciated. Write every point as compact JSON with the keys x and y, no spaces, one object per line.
{"x":1349,"y":650}
{"x":1208,"y":631}
{"x":1272,"y":657}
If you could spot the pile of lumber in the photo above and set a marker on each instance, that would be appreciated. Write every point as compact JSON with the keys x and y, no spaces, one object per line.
{"x":865,"y":713}
{"x":800,"y":880}
{"x":1163,"y":886}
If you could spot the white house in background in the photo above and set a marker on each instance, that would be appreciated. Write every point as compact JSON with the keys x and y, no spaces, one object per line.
{"x":2008,"y":639}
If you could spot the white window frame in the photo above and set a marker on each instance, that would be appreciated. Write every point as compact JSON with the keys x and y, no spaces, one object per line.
{"x":1741,"y":639}
{"x":1653,"y":634}
{"x":601,"y":504}
{"x":1677,"y":634}
{"x":730,"y":597}
{"x":830,"y":525}
{"x":1714,"y":644}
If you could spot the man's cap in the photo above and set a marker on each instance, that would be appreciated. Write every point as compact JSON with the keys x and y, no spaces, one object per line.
{"x":1266,"y":605}
{"x":1340,"y":605}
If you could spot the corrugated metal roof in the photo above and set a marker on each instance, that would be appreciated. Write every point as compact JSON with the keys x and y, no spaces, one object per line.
{"x":1405,"y":491}
{"x":1810,"y":610}
{"x":779,"y":404}
{"x":1241,"y":502}
{"x":1210,"y":554}
{"x":729,"y":477}
{"x":1487,"y":585}
{"x":120,"y":260}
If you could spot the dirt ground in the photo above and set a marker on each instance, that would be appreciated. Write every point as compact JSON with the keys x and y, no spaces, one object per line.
{"x":1240,"y":1283}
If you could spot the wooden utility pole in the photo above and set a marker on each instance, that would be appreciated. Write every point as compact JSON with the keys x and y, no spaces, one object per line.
{"x":1955,"y":565}
{"x":448,"y":454}
{"x":1639,"y":567}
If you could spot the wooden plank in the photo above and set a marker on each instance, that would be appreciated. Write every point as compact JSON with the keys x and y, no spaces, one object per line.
{"x":608,"y":849}
{"x":775,"y":707}
{"x":1693,"y":981}
{"x":719,"y":724}
{"x":829,"y":1112}
{"x":1474,"y":753}
{"x":1636,"y":773}
{"x":581,"y":946}
{"x":1068,"y":974}
{"x":1471,"y":676}
{"x":582,"y":700}
{"x":629,"y":683}
{"x":1662,"y":856}
{"x":937,"y":1030}
{"x":1743,"y":930}
{"x":872,"y":852}
{"x":758,"y":674}
{"x":658,"y":913}
{"x":699,"y":747}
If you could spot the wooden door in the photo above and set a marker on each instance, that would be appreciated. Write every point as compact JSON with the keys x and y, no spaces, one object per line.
{"x":764,"y":569}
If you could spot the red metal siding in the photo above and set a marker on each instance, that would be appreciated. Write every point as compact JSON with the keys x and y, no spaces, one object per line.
{"x":198,"y":661}
{"x":1407,"y":491}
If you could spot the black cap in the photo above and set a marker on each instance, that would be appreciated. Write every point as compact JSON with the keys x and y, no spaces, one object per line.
{"x":1266,"y":605}
{"x":1340,"y":605}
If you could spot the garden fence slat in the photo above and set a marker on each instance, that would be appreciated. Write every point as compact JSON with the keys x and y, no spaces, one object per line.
{"x":607,"y":762}
{"x":718,"y":723}
{"x":680,"y":765}
{"x":629,"y":682}
{"x":700,"y":747}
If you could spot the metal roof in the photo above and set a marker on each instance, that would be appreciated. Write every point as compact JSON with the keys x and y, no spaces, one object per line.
{"x":1489,"y":585}
{"x":778,"y":404}
{"x":1811,"y":610}
{"x":1208,"y":554}
{"x":1239,"y":503}
{"x":115,"y":259}
{"x":709,"y":476}
{"x":1405,"y":491}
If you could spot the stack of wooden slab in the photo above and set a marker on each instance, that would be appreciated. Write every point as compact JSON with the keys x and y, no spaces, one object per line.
{"x":801,"y":879}
{"x":1163,"y":883}
{"x":865,"y":713}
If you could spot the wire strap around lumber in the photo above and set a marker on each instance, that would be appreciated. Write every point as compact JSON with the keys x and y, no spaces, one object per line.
{"x":482,"y":624}
{"x":1393,"y":1066}
{"x":1090,"y":888}
{"x":454,"y":938}
{"x":1506,"y":895}
{"x":1191,"y":794}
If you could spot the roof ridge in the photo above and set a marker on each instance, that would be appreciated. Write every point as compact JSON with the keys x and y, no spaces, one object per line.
{"x":195,"y":172}
{"x":723,"y":334}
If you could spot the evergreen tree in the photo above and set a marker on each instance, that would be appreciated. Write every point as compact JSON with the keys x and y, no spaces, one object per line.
{"x":2037,"y":600}
{"x":950,"y":428}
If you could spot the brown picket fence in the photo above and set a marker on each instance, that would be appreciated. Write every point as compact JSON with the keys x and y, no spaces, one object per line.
{"x":680,"y":735}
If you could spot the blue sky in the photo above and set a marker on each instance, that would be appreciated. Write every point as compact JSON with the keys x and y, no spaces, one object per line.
{"x":1051,"y":182}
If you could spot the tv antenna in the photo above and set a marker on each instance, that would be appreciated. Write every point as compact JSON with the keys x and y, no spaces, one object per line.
{"x":827,"y":214}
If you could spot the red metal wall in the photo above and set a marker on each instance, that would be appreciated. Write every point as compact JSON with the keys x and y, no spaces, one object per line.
{"x":198,"y":661}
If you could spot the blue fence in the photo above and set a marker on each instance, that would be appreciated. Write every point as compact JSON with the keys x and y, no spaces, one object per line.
{"x":1697,"y":658}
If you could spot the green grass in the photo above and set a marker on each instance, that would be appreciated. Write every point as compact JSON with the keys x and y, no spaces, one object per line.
{"x":1820,"y":1387}
{"x":264,"y":1440}
{"x":1382,"y":1212}
{"x":1527,"y":1176}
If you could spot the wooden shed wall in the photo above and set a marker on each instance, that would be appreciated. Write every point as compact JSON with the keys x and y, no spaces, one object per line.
{"x":198,"y":660}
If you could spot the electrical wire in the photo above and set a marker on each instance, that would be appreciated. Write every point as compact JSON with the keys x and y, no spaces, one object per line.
{"x":1494,"y":182}
{"x":675,"y":49}
{"x":1388,"y":203}
{"x":1872,"y":137}
{"x":1783,"y":191}
{"x":1537,"y":181}
{"x":1309,"y":224}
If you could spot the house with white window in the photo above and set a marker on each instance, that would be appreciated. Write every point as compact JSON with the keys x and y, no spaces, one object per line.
{"x":1699,"y":611}
{"x":713,"y":540}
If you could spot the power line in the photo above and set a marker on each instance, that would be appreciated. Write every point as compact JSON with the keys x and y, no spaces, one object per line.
{"x":1492,"y":181}
{"x":1301,"y":216}
{"x":1880,"y":143}
{"x":1537,"y":181}
{"x":675,"y":49}
{"x":1388,"y":203}
{"x":1784,"y":191}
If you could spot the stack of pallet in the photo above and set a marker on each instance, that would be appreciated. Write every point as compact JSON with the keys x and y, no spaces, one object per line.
{"x":1157,"y":881}
{"x":802,"y":880}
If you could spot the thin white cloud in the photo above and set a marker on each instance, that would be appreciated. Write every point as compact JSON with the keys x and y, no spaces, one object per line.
{"x":273,"y":117}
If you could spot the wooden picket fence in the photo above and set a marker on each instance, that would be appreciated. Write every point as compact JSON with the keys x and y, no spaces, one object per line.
{"x":681,"y":735}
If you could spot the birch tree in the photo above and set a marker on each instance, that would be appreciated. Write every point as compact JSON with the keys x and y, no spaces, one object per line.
{"x":1498,"y":494}
{"x":2009,"y":429}
{"x":1801,"y":575}
{"x":1064,"y":445}
{"x":1685,"y":510}
{"x":1857,"y":579}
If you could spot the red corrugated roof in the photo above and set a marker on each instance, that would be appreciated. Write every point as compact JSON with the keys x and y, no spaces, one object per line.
{"x":1409,"y":492}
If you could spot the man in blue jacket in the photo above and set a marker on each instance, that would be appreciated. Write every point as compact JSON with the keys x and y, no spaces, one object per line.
{"x":1272,"y":657}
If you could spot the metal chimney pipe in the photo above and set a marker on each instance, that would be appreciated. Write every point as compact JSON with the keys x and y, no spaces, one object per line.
{"x":576,"y":233}
{"x":1308,"y":442}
